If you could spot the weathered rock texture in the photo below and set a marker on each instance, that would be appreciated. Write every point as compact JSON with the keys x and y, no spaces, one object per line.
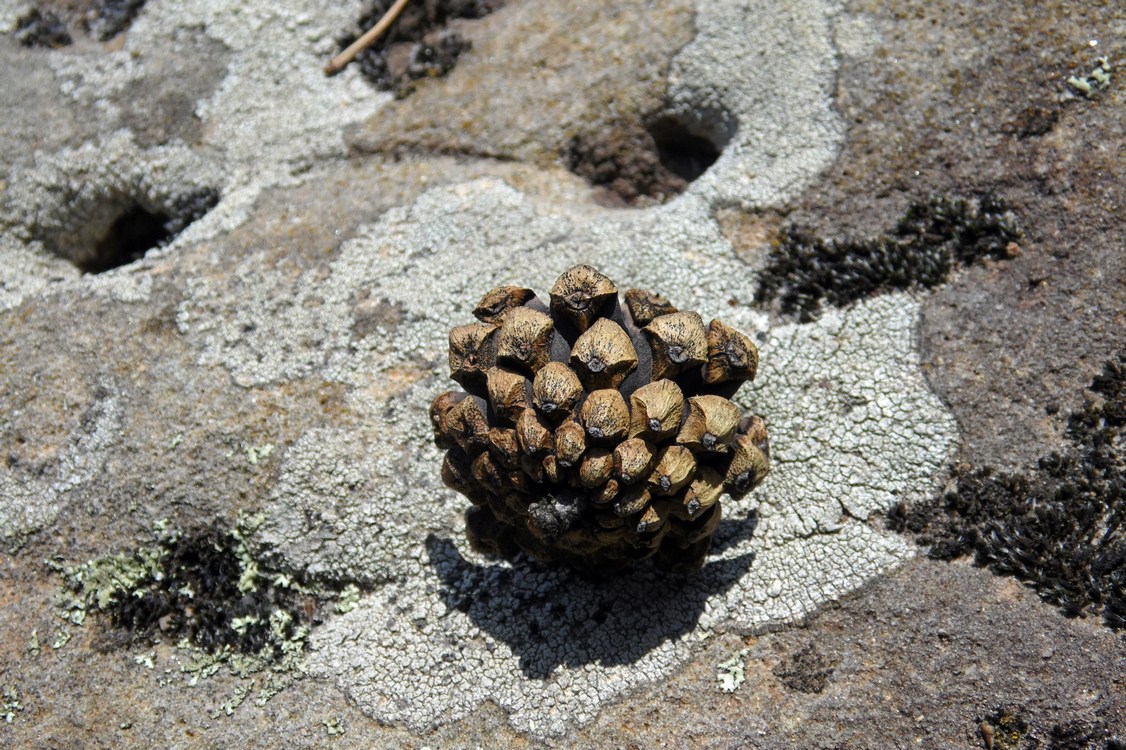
{"x":273,"y":354}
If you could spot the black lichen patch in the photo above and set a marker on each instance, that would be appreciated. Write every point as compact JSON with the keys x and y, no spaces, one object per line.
{"x":1061,"y":527}
{"x":806,"y":671}
{"x":108,"y":18}
{"x":42,"y":28}
{"x":138,"y":229}
{"x":805,"y":270}
{"x":1081,"y":735}
{"x":418,"y":44}
{"x":1009,"y":728}
{"x":101,"y":19}
{"x":206,"y":586}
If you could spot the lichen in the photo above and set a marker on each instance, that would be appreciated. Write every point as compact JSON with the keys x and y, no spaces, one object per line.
{"x":1095,"y":81}
{"x":207,"y":587}
{"x":11,"y":705}
{"x":42,"y":28}
{"x":731,"y":673}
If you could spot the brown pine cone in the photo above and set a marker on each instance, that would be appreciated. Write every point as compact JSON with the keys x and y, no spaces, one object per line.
{"x":593,"y":433}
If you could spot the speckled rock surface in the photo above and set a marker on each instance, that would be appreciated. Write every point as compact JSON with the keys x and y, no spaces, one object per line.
{"x":274,"y":358}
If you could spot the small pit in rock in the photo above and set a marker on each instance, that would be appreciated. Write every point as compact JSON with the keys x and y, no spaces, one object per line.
{"x":681,"y":151}
{"x":806,"y":671}
{"x":419,"y":44}
{"x":140,"y":227}
{"x":638,"y":164}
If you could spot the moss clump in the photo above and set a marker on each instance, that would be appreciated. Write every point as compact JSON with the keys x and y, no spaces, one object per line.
{"x":42,"y":28}
{"x":418,"y":44}
{"x":108,"y":18}
{"x":1061,"y":527}
{"x":806,"y":671}
{"x":805,"y":270}
{"x":1005,"y":729}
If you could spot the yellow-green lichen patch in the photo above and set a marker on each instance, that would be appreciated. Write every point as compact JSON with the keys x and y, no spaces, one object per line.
{"x":731,"y":673}
{"x":215,"y":592}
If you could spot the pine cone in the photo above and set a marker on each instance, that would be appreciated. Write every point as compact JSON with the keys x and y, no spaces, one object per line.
{"x":593,"y":433}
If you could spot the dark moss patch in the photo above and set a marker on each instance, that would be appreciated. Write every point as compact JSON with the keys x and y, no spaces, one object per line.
{"x":1006,"y":729}
{"x":1060,"y":527}
{"x":186,"y":208}
{"x":108,"y":18}
{"x":138,"y":229}
{"x":805,"y":270}
{"x":42,"y":28}
{"x":418,"y":44}
{"x":806,"y":671}
{"x":1081,"y":735}
{"x":207,"y":586}
{"x":101,"y":19}
{"x":1009,"y":728}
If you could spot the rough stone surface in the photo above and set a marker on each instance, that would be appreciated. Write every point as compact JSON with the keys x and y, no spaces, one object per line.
{"x":276,"y":358}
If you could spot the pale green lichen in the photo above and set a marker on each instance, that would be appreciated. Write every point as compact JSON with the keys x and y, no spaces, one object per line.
{"x":254,"y":454}
{"x":731,"y":672}
{"x":11,"y":705}
{"x":102,"y":584}
{"x":348,"y":599}
{"x":99,"y":583}
{"x":62,"y":637}
{"x":1095,"y":81}
{"x":334,"y":727}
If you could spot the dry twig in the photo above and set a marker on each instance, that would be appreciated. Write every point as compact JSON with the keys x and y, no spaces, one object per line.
{"x":370,"y":36}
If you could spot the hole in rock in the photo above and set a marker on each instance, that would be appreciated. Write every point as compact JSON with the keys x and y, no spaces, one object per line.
{"x":639,"y":163}
{"x":137,"y":229}
{"x":133,"y":234}
{"x":681,"y":151}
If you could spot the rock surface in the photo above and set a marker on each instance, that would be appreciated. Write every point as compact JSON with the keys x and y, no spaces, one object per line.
{"x":272,"y":356}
